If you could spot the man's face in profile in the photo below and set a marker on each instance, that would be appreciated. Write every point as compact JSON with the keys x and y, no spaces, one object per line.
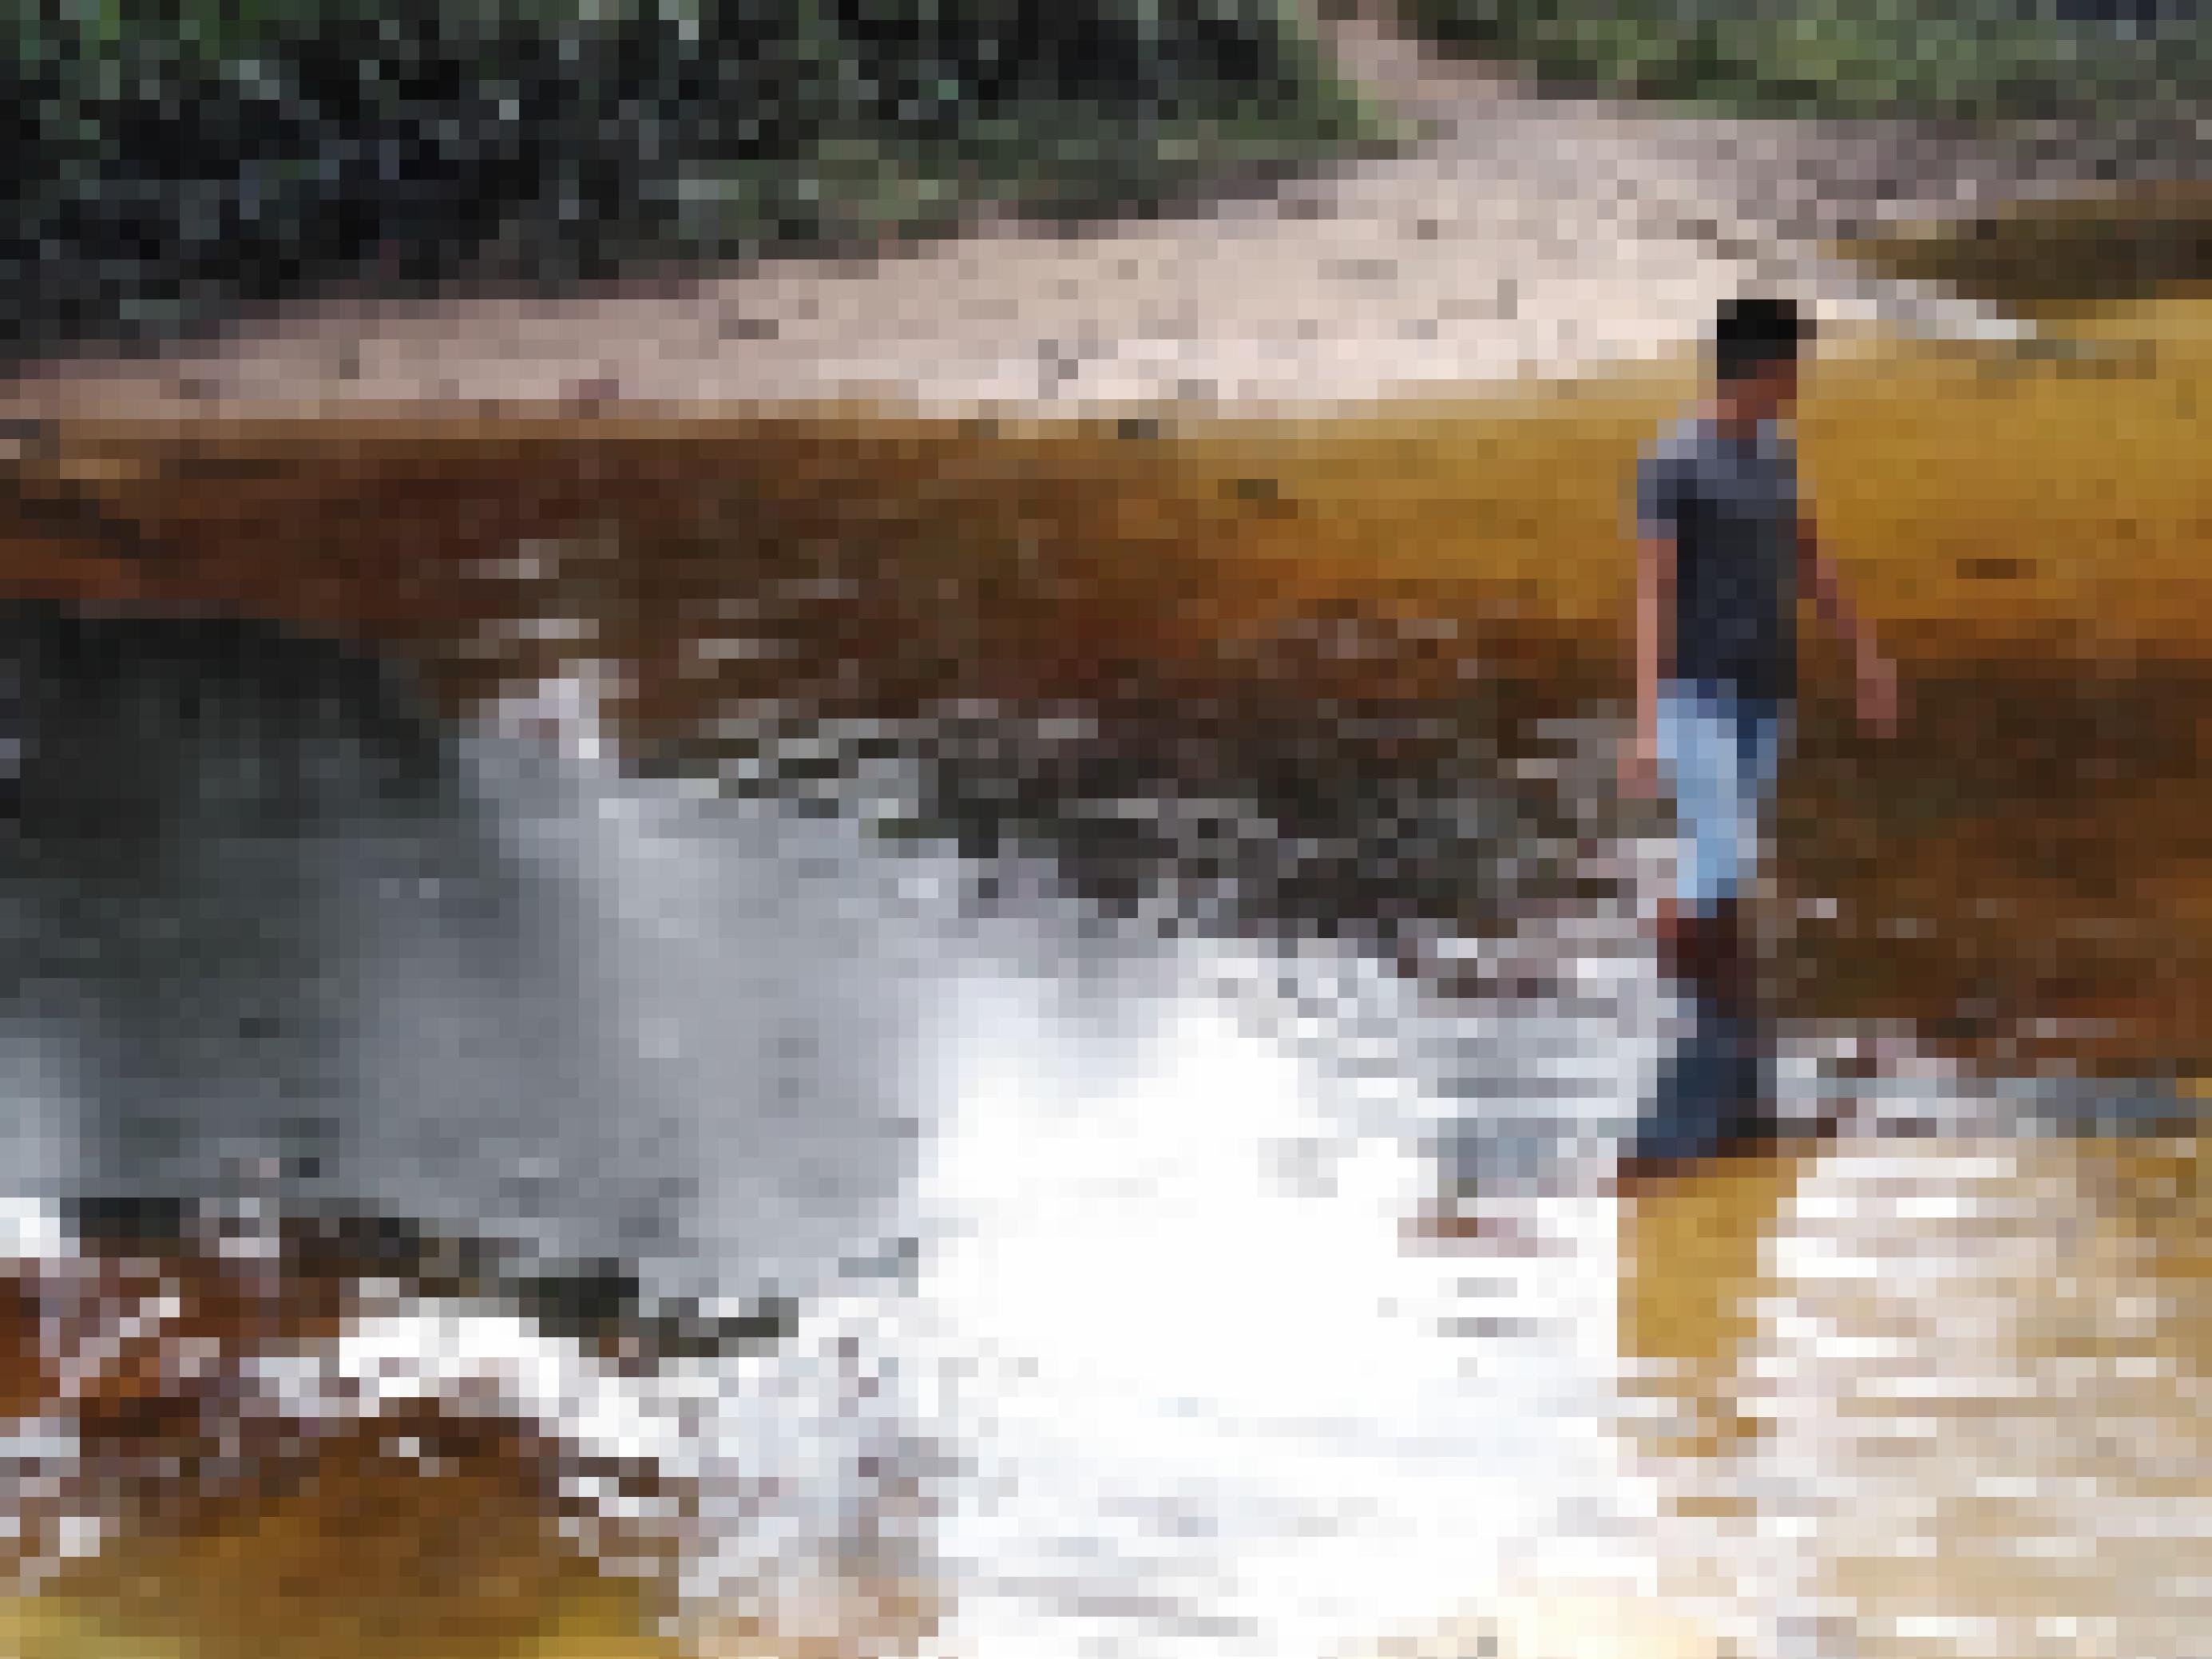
{"x":1770,"y":394}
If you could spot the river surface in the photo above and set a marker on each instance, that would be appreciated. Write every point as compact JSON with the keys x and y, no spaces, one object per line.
{"x":1086,"y":1126}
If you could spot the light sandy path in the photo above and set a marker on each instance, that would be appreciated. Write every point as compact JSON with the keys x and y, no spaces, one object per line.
{"x":1524,"y":236}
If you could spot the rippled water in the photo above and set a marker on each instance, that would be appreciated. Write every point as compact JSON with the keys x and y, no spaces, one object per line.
{"x":1108,"y":1322}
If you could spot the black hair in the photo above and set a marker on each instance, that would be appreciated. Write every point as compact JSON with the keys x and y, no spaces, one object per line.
{"x":1751,"y":333}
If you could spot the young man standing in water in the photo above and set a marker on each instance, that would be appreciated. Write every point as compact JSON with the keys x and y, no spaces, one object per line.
{"x":1724,"y":546}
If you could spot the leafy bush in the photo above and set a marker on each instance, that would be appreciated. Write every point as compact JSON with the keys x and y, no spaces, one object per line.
{"x":173,"y":158}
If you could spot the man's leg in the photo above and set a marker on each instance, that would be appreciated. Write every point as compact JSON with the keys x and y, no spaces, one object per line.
{"x":1711,"y":1096}
{"x":1730,"y":973}
{"x":1735,"y":994}
{"x":1702,"y":749}
{"x":1708,"y":953}
{"x":1714,"y":1095}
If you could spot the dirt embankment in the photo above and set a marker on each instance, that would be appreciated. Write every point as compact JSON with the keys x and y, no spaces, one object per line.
{"x":1523,"y":235}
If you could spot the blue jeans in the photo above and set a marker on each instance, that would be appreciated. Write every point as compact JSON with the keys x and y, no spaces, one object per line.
{"x":1722,"y":755}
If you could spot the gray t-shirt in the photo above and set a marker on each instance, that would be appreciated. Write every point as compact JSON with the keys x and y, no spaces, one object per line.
{"x":1729,"y":505}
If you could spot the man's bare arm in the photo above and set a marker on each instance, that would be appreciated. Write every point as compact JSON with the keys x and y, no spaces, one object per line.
{"x":1877,"y":677}
{"x":1817,"y":574}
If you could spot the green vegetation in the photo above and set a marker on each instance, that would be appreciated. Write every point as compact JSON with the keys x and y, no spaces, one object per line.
{"x":1976,"y":59}
{"x":172,"y":159}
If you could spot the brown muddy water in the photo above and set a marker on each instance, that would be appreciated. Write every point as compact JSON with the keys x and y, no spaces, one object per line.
{"x":927,"y":1039}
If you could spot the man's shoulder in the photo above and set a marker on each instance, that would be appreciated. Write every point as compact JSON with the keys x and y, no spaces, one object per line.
{"x":1683,"y":442}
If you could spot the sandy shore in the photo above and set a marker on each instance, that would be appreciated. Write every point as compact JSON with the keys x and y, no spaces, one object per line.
{"x":1522,"y":236}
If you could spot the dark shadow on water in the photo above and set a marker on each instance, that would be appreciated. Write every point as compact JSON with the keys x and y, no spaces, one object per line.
{"x":1381,"y":832}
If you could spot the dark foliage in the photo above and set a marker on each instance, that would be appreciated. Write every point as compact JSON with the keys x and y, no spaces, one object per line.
{"x":168,"y":169}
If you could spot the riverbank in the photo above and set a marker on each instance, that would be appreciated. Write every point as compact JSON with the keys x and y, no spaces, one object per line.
{"x":1521,"y":235}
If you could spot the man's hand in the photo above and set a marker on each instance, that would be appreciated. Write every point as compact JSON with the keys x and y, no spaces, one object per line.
{"x":1880,"y":700}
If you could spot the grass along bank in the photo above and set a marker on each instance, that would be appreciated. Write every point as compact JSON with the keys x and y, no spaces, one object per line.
{"x":1972,"y":59}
